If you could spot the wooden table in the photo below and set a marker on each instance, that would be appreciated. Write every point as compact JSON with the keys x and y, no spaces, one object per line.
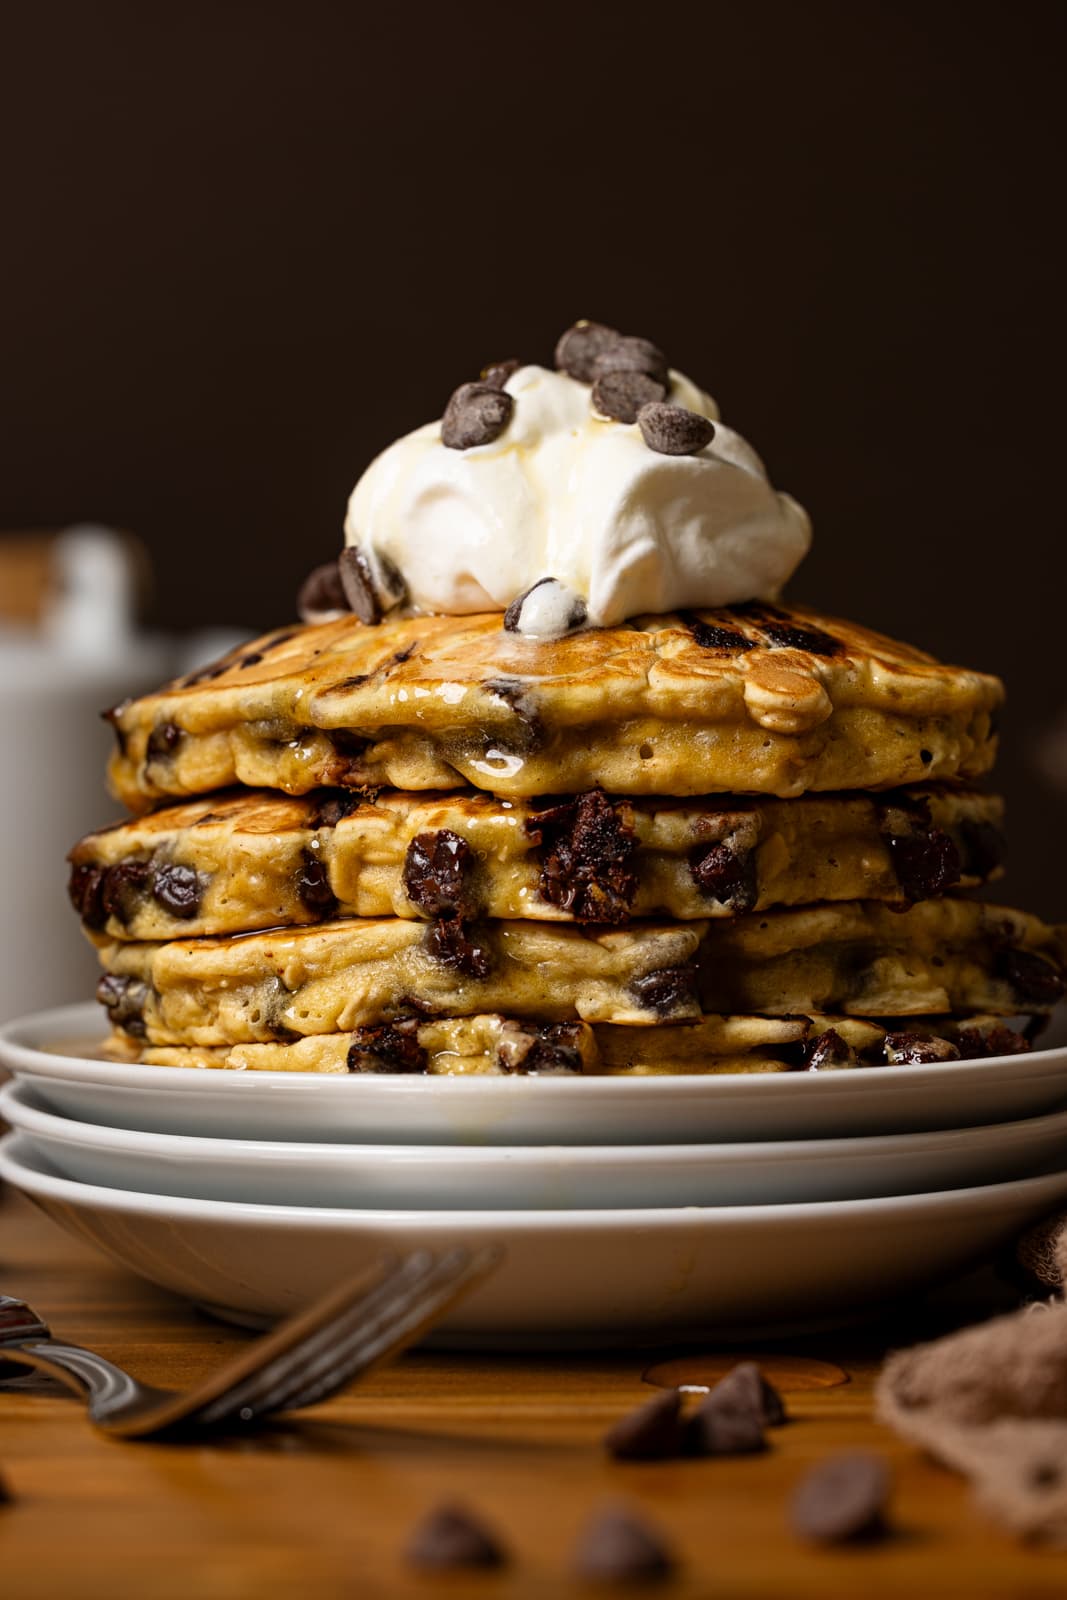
{"x":322,"y":1506}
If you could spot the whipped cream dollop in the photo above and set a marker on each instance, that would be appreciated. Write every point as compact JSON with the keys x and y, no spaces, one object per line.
{"x":566,"y":494}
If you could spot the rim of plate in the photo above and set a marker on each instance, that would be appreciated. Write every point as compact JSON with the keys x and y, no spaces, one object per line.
{"x":18,"y":1055}
{"x":38,"y":1120}
{"x":32,"y":1181}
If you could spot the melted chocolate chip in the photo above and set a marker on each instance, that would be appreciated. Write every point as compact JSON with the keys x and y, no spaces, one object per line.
{"x":619,"y":1547}
{"x":124,"y":999}
{"x":177,"y":889}
{"x":437,"y":872}
{"x":977,"y":1043}
{"x":780,"y":632}
{"x":1035,"y":981}
{"x":709,"y":636}
{"x":357,"y":581}
{"x":450,"y":942}
{"x":670,"y":990}
{"x":496,"y":375}
{"x":585,"y":864}
{"x":620,"y":395}
{"x":653,"y":1432}
{"x":674,"y":431}
{"x":843,"y":1498}
{"x":452,"y":1539}
{"x":542,"y":1048}
{"x":86,"y":890}
{"x":387,"y":1047}
{"x":830,"y":1052}
{"x":630,"y":354}
{"x":579,"y":347}
{"x":321,"y":593}
{"x":924,"y":858}
{"x":331,"y":805}
{"x":576,"y":616}
{"x":312,"y":885}
{"x":916,"y":1047}
{"x":124,"y":884}
{"x":476,"y":414}
{"x":726,"y":875}
{"x":348,"y":744}
{"x":163,"y":741}
{"x":984,"y":847}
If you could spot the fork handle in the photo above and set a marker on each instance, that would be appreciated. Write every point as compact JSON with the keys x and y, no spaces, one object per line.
{"x":88,"y":1375}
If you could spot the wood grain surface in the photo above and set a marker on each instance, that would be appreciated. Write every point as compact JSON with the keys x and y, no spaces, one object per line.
{"x":322,"y":1505}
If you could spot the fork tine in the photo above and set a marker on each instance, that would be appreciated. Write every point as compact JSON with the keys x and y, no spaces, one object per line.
{"x":337,"y":1314}
{"x":407,"y":1302}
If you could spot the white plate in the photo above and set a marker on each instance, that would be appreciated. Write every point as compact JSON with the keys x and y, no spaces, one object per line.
{"x":385,"y":1108}
{"x":596,"y":1276}
{"x":538,"y":1177}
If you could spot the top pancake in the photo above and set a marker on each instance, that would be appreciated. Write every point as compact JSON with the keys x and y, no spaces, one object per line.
{"x":749,"y":699}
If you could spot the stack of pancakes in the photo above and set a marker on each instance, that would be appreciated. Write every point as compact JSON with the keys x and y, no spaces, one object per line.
{"x":721,"y":841}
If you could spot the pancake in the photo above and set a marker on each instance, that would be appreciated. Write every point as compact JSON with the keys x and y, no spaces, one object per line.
{"x":751,"y":699}
{"x":860,"y":958}
{"x":501,"y":1045}
{"x":248,"y":860}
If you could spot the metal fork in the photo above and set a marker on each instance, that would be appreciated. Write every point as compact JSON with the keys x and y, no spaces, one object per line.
{"x":305,"y":1359}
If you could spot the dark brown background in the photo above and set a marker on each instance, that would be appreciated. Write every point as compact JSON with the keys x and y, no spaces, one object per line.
{"x":245,"y":245}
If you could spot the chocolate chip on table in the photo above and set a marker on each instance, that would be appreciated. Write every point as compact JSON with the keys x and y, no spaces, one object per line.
{"x":578,"y":348}
{"x":618,"y":1546}
{"x":620,"y":395}
{"x":722,"y":1431}
{"x":476,"y":414}
{"x":437,"y":871}
{"x":842,"y":1499}
{"x":452,"y":1538}
{"x":726,"y":875}
{"x":629,"y":354}
{"x":744,"y":1388}
{"x":387,"y":1047}
{"x":916,"y":1048}
{"x":674,"y":431}
{"x":653,"y":1432}
{"x":1036,"y":981}
{"x":163,"y":741}
{"x":177,"y":889}
{"x":357,"y":581}
{"x":321,"y":593}
{"x":496,"y":375}
{"x":312,"y":885}
{"x":449,"y":941}
{"x":588,"y":842}
{"x":671,"y":989}
{"x":830,"y":1053}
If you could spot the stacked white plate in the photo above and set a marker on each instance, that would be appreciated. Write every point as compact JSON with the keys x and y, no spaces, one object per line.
{"x":630,"y":1209}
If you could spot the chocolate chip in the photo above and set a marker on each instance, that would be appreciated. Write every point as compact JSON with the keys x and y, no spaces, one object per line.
{"x":449,"y":941}
{"x":842,"y":1499}
{"x":744,"y":1388}
{"x":578,"y":348}
{"x":321,"y":593}
{"x":585,"y":865}
{"x":575,"y":617}
{"x":437,"y":871}
{"x":86,"y":890}
{"x":924,"y":858}
{"x":620,"y":395}
{"x":671,"y":989}
{"x":724,"y":1430}
{"x":984,"y":847}
{"x":617,"y":1546}
{"x":652,"y":1432}
{"x":331,"y":806}
{"x":387,"y":1047}
{"x":123,"y":887}
{"x":674,"y":431}
{"x":312,"y":885}
{"x":726,"y":875}
{"x":476,"y":414}
{"x":543,"y":1048}
{"x":163,"y":741}
{"x":177,"y":889}
{"x":451,"y":1538}
{"x":357,"y":581}
{"x":976,"y":1043}
{"x":711,"y":637}
{"x":830,"y":1053}
{"x":497,"y":374}
{"x":348,"y":744}
{"x":630,"y":354}
{"x":1035,"y":981}
{"x":916,"y":1048}
{"x":124,"y":999}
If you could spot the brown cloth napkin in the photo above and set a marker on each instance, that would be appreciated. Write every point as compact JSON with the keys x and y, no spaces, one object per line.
{"x":991,"y":1401}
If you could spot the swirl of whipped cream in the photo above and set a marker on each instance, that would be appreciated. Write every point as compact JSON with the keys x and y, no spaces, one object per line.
{"x":565,"y":494}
